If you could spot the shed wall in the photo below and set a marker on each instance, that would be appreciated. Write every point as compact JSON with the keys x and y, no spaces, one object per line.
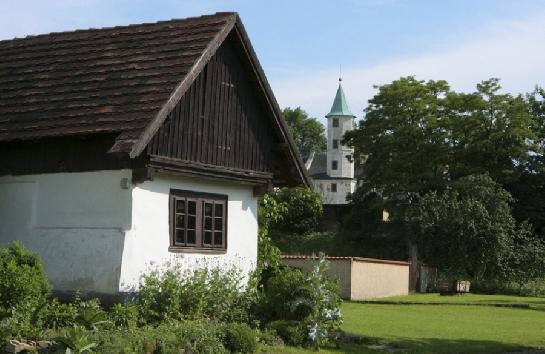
{"x":373,"y":280}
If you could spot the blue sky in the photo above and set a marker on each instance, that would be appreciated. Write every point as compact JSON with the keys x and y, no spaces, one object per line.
{"x":301,"y":44}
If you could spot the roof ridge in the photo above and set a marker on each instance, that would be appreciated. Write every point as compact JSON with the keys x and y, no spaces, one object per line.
{"x":92,"y":29}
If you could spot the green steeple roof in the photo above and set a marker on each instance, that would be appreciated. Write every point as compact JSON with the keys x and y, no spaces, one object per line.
{"x":340,"y":105}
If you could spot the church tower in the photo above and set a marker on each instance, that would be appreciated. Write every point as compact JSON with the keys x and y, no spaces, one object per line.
{"x":332,"y":172}
{"x":339,"y":120}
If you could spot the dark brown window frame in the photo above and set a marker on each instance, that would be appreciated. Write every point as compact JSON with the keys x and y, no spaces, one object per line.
{"x":335,"y":122}
{"x":200,"y":198}
{"x":335,"y":165}
{"x":333,"y":187}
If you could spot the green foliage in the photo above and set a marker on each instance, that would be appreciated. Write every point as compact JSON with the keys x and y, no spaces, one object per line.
{"x":22,"y":277}
{"x":124,"y":316}
{"x":310,"y":243}
{"x":302,"y":213}
{"x":173,"y":295}
{"x":269,"y":212}
{"x":282,"y":288}
{"x":21,"y":321}
{"x":325,"y":318}
{"x":296,"y":303}
{"x":200,"y":336}
{"x":468,"y":231}
{"x":291,"y":332}
{"x":308,"y":133}
{"x":418,"y":137}
{"x":57,"y":314}
{"x":24,"y":289}
{"x":77,"y":340}
{"x":240,"y":338}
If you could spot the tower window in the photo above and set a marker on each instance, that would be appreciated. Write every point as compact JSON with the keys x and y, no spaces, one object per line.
{"x":335,"y":122}
{"x":334,"y":164}
{"x":335,"y":144}
{"x":334,"y":187}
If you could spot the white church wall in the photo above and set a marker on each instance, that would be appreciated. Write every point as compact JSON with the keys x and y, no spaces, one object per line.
{"x":146,"y":244}
{"x":344,"y":187}
{"x":345,"y":166}
{"x":74,"y":221}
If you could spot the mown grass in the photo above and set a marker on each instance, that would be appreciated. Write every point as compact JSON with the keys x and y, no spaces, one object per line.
{"x":469,"y":299}
{"x":449,"y":328}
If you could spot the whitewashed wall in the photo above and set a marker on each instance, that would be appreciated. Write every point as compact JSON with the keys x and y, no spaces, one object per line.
{"x":146,"y":244}
{"x":93,"y":235}
{"x":75,"y":222}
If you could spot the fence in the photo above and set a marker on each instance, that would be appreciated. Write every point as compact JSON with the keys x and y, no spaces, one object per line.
{"x":361,"y":278}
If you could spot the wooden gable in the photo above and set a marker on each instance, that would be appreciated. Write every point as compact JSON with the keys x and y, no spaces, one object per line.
{"x":219,"y":123}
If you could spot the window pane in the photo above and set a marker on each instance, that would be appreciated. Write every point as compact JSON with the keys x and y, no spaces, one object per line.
{"x":180,"y":206}
{"x":191,"y":237}
{"x":191,"y":222}
{"x":219,"y":209}
{"x":207,"y":209}
{"x":192,"y":207}
{"x":218,"y":223}
{"x":180,"y":220}
{"x":218,"y":236}
{"x":179,"y":236}
{"x":207,"y":223}
{"x":208,"y":237}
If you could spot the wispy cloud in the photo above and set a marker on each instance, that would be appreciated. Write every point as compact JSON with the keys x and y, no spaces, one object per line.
{"x":512,"y":51}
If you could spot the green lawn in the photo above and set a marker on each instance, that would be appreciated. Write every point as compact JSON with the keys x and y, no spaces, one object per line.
{"x":445,"y":328}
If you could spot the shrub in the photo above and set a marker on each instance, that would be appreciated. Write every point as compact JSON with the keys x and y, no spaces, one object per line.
{"x":58,"y":314}
{"x":22,"y":277}
{"x":296,"y":302}
{"x":291,"y":332}
{"x":124,"y":316}
{"x":24,"y":289}
{"x":240,"y":338}
{"x":284,"y":286}
{"x":169,"y":337}
{"x":159,"y":296}
{"x":76,"y":340}
{"x":174,"y":295}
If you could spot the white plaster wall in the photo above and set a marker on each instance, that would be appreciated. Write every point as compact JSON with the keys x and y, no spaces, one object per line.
{"x":75,"y":222}
{"x":344,"y":187}
{"x":345,"y":166}
{"x":146,"y":243}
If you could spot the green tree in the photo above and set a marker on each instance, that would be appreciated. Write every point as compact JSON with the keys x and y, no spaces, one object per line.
{"x":308,"y":133}
{"x":303,"y":209}
{"x":468,"y":231}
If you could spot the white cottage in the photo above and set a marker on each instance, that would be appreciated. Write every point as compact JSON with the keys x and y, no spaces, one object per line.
{"x":131,"y":146}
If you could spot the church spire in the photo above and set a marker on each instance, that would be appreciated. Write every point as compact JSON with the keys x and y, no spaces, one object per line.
{"x":340,"y":105}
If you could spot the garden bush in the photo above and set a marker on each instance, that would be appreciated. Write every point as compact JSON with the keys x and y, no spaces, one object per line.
{"x":291,"y":332}
{"x":58,"y":314}
{"x":174,"y":294}
{"x":124,"y":316}
{"x":22,"y":277}
{"x":24,"y":289}
{"x":294,"y":301}
{"x":200,"y":336}
{"x":240,"y":338}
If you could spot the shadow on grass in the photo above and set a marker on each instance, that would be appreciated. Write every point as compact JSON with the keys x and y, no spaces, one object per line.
{"x":433,"y":345}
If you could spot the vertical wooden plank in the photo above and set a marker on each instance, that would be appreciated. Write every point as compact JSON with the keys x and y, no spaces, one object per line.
{"x":206,"y":114}
{"x":211,"y":98}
